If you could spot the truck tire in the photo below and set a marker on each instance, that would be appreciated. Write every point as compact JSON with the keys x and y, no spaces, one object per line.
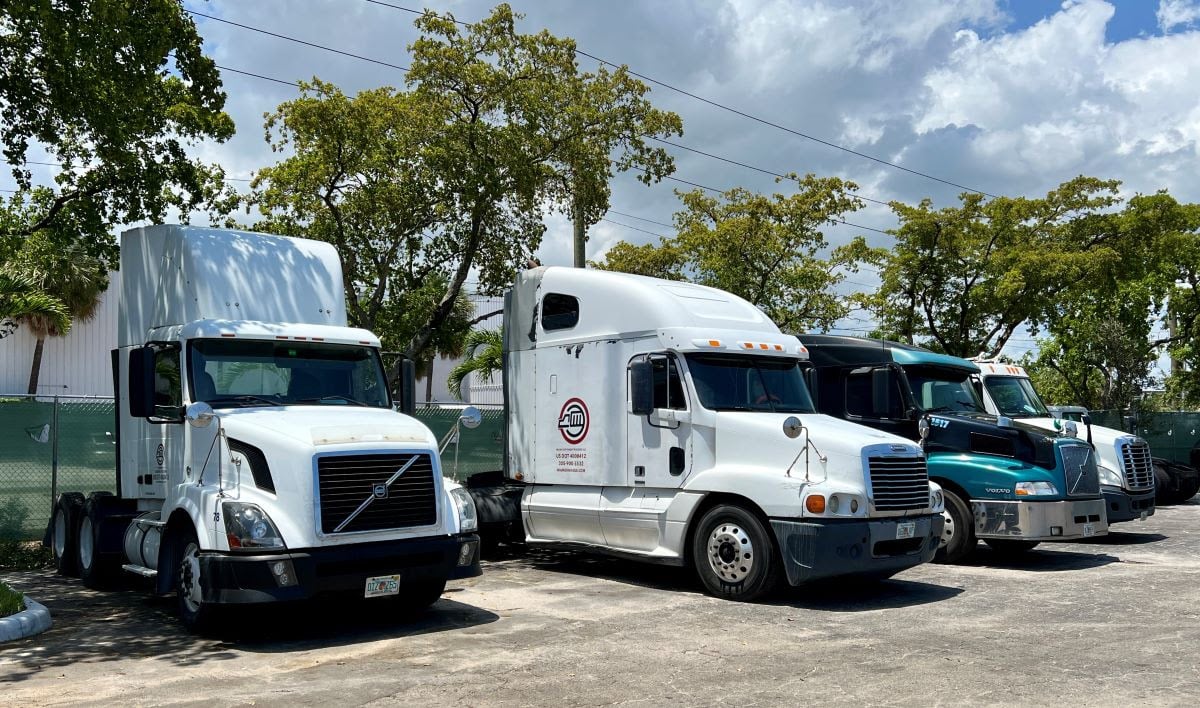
{"x":64,"y":527}
{"x":196,"y":614}
{"x":958,"y":532}
{"x":734,"y":554}
{"x":1010,"y":546}
{"x":417,"y":598}
{"x":96,"y":569}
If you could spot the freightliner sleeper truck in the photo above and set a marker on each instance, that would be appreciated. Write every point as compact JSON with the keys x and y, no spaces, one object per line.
{"x":1005,"y":482}
{"x":1124,"y":462}
{"x":669,"y":422}
{"x":259,"y":457}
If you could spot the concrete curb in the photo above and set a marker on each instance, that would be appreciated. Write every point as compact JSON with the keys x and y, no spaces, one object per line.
{"x":34,"y":619}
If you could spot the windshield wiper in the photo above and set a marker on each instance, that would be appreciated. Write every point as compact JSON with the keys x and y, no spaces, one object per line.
{"x":245,"y":399}
{"x":334,"y":397}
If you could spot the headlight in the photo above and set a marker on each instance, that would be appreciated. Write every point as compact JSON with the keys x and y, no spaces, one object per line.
{"x":1109,"y":477}
{"x":247,"y":526}
{"x":467,"y":519}
{"x":1035,"y":489}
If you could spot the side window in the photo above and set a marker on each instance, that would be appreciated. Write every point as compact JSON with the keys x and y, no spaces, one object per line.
{"x":858,"y":395}
{"x":559,"y":311}
{"x":668,"y":385}
{"x":168,"y":393}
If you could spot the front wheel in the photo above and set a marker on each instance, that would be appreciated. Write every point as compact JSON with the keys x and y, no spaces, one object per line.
{"x":1010,"y":546}
{"x":195,"y":613}
{"x":958,"y":531}
{"x":734,"y":554}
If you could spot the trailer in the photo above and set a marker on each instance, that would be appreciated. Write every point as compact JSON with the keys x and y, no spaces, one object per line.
{"x":259,"y":455}
{"x":1007,"y":483}
{"x":670,"y":423}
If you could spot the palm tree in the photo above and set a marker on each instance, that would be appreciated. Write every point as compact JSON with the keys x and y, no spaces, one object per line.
{"x":21,"y":298}
{"x":73,"y":277}
{"x":484,"y":348}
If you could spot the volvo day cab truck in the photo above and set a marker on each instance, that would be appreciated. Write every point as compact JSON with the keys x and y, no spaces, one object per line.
{"x":1011,"y":484}
{"x":1123,"y":460}
{"x":259,"y":457}
{"x":669,"y":422}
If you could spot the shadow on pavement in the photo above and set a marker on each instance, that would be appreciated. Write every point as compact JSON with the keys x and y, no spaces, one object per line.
{"x":596,"y":565}
{"x":97,"y":626}
{"x":1041,"y":559}
{"x":1123,"y":538}
{"x":850,"y":595}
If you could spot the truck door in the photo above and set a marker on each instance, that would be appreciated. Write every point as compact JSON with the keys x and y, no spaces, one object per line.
{"x":875,"y":397}
{"x":162,"y":451}
{"x":660,"y":443}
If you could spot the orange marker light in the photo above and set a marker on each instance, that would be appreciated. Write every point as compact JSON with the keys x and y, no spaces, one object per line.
{"x":749,"y":345}
{"x":815,"y":504}
{"x":714,"y":342}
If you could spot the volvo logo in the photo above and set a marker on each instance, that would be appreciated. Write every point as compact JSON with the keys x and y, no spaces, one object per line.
{"x":379,"y":491}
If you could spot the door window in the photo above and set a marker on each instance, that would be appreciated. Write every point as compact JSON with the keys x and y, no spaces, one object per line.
{"x":168,"y":392}
{"x":668,"y":385}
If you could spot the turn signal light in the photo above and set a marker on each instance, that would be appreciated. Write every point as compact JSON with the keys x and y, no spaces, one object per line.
{"x":815,"y":504}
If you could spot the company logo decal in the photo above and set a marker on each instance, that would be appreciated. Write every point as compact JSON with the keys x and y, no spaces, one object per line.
{"x":160,"y":455}
{"x":573,"y":421}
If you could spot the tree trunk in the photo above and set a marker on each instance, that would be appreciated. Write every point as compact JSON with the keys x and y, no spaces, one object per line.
{"x":429,"y":384}
{"x":35,"y":371}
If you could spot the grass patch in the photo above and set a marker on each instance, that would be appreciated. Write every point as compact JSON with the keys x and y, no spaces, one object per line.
{"x":24,"y":555}
{"x":11,"y":601}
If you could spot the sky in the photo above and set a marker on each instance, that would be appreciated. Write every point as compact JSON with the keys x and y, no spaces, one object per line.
{"x":1007,"y":97}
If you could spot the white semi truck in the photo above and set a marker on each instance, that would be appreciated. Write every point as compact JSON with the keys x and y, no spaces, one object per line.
{"x":1123,"y":460}
{"x":670,"y":423}
{"x":259,"y":456}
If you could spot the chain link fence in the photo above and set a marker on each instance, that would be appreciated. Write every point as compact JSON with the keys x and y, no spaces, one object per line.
{"x":1172,"y":435}
{"x":470,"y":450}
{"x":50,"y":445}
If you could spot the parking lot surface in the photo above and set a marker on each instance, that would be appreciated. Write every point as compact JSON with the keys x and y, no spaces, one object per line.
{"x":1110,"y":622}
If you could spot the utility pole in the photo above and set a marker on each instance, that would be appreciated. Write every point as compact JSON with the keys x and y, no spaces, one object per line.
{"x":580,"y":235}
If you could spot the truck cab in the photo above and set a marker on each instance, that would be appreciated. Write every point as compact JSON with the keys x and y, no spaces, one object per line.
{"x":670,"y":422}
{"x":1010,"y":484}
{"x":1124,"y":462}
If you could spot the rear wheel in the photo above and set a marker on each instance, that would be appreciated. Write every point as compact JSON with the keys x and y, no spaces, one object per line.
{"x":734,"y":554}
{"x":195,"y":613}
{"x":64,"y":538}
{"x":96,"y":568}
{"x":958,"y":531}
{"x":1010,"y":546}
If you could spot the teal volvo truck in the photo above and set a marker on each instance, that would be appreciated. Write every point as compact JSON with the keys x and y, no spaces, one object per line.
{"x":1006,"y":483}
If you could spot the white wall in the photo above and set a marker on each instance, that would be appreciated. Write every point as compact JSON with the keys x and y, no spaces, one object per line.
{"x":77,"y":364}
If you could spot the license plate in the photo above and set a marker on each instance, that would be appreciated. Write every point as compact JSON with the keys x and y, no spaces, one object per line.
{"x":906,"y":529}
{"x":381,"y":585}
{"x":1089,"y":530}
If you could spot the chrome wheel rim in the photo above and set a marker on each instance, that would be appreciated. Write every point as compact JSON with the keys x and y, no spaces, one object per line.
{"x":730,"y":552}
{"x":947,"y":529}
{"x":189,"y":578}
{"x":85,"y":543}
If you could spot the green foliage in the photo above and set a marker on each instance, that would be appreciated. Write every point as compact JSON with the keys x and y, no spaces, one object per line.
{"x":762,"y":248}
{"x":963,"y":279}
{"x":21,"y":298}
{"x":113,"y":90}
{"x":11,"y":601}
{"x":485,"y":357}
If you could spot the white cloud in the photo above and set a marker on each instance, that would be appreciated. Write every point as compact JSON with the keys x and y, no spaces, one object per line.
{"x":1174,"y":13}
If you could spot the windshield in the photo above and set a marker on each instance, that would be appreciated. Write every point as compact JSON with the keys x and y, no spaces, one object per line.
{"x":941,"y":389}
{"x":748,"y":383}
{"x":247,"y":372}
{"x":1014,"y":397}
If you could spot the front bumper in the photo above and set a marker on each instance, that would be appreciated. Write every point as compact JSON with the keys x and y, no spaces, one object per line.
{"x":1127,"y":506}
{"x":235,"y":578}
{"x":1040,"y":520}
{"x":827,"y":549}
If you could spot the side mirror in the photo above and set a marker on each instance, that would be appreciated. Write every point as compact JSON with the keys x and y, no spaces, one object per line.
{"x":792,"y":427}
{"x":471,"y":417}
{"x":641,"y":386}
{"x":406,"y":387}
{"x":881,"y":390}
{"x":199,"y":415}
{"x":1086,"y":419}
{"x":141,"y":382}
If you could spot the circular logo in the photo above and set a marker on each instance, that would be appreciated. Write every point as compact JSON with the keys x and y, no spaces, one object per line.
{"x":159,"y":455}
{"x":573,"y":421}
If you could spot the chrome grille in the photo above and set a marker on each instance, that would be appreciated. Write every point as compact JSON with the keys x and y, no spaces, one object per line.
{"x":1135,"y":463}
{"x":346,"y":482}
{"x":898,"y":483}
{"x":1083,"y":479}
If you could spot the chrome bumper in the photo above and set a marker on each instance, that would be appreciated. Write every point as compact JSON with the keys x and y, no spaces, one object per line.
{"x":1040,"y":521}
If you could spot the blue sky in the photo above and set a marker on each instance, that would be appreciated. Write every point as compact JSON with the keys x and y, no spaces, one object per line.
{"x":1133,"y":18}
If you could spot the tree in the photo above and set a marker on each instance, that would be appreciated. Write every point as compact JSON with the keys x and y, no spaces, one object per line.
{"x":20,"y":298}
{"x":485,"y":356}
{"x":762,"y":248}
{"x":963,"y":279}
{"x":113,"y":90}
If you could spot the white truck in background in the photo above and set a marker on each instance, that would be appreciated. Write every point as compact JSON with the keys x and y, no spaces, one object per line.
{"x":1123,"y":460}
{"x":670,"y":422}
{"x":259,"y":457}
